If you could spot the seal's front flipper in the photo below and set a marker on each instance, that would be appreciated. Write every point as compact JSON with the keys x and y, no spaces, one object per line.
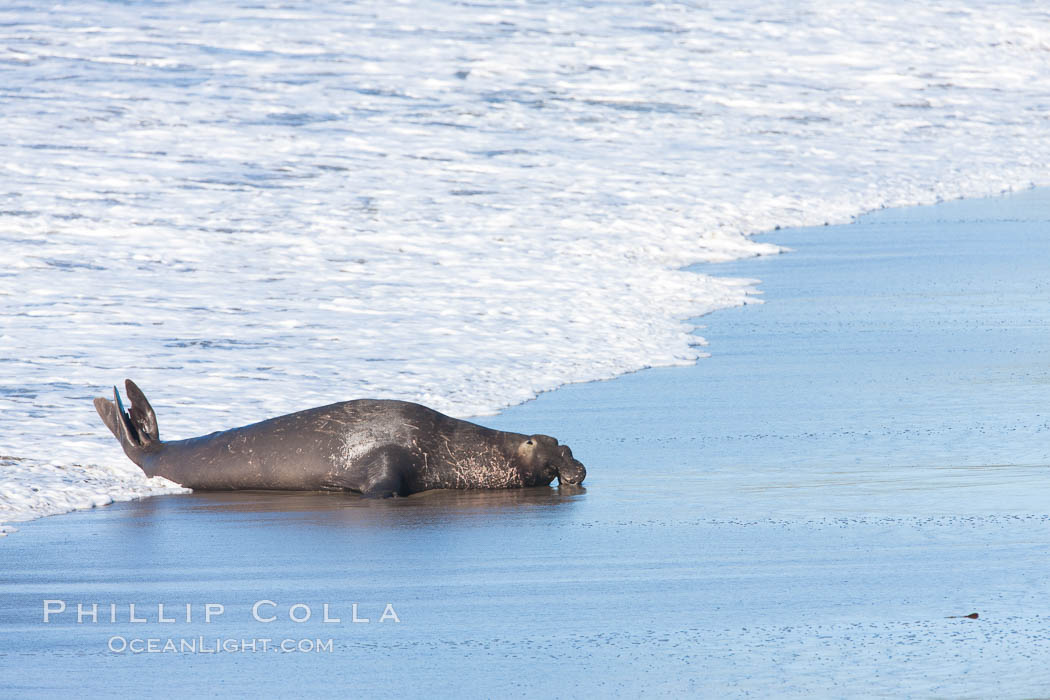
{"x":386,"y":473}
{"x":380,"y":475}
{"x":385,"y":489}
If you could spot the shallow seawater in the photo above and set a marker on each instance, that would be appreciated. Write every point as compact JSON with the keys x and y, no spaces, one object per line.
{"x":256,"y":208}
{"x":899,"y":368}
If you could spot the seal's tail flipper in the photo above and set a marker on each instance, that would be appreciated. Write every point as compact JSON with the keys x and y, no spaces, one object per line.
{"x":142,"y":415}
{"x":135,"y":431}
{"x":107,"y":410}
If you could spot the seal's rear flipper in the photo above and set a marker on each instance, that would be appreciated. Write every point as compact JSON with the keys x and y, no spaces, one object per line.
{"x":129,"y":430}
{"x":108,"y":411}
{"x":142,"y":415}
{"x":136,"y":432}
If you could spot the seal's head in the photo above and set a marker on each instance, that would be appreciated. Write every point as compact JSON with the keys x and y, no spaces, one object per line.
{"x":543,"y":455}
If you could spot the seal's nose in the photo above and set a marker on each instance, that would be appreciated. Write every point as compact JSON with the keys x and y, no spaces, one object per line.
{"x":574,"y":473}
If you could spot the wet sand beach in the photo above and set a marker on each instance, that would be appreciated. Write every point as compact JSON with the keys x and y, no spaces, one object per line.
{"x":807,"y":512}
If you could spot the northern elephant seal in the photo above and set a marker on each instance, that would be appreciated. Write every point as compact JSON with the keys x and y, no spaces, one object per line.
{"x":375,"y":447}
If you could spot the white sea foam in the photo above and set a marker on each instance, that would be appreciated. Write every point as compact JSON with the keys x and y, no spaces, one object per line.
{"x":256,"y":209}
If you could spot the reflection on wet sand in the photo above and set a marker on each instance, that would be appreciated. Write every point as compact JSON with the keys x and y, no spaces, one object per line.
{"x":349,"y":509}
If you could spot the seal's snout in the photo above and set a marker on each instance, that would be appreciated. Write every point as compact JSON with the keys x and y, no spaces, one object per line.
{"x":570,"y":471}
{"x":573,"y":475}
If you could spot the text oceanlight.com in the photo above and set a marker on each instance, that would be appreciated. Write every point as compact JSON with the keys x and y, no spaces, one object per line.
{"x":216,"y":645}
